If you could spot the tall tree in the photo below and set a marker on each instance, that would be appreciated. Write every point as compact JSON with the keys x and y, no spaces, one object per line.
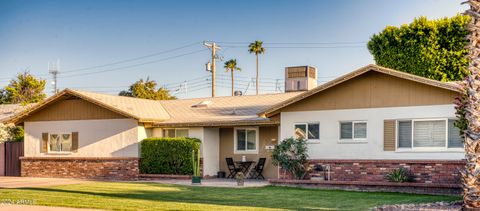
{"x":24,"y":89}
{"x":231,"y":65}
{"x":471,"y":109}
{"x":256,"y":48}
{"x":147,"y":90}
{"x":430,"y":48}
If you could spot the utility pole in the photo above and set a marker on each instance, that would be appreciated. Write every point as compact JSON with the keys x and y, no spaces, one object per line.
{"x":54,"y":70}
{"x":213,"y":47}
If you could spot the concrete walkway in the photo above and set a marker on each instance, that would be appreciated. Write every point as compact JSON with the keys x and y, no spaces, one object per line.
{"x":230,"y":183}
{"x":30,"y":182}
{"x":12,"y":207}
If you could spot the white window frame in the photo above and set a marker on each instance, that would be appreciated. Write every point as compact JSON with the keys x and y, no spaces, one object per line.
{"x":425,"y":149}
{"x":58,"y":152}
{"x":353,"y":139}
{"x":306,"y":128}
{"x":246,"y":151}
{"x":163,"y":132}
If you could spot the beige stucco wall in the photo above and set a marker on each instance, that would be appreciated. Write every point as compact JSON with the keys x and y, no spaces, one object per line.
{"x":210,"y":151}
{"x":97,"y":138}
{"x":267,"y":136}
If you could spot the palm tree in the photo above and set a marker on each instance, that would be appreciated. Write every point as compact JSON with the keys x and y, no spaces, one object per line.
{"x":231,"y":65}
{"x":256,"y":48}
{"x":471,"y":85}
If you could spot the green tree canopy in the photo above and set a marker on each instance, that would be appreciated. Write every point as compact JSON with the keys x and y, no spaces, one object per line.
{"x":24,"y":89}
{"x":430,"y":48}
{"x":147,"y":90}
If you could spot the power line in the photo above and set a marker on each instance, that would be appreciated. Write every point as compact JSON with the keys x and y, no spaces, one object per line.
{"x":132,"y":59}
{"x":135,"y":65}
{"x":305,"y":47}
{"x":298,"y":43}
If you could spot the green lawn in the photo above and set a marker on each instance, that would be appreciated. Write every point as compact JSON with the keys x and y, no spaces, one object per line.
{"x":152,"y":196}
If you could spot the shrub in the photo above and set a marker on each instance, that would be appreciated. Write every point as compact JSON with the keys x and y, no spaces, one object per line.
{"x":291,"y":155}
{"x":168,"y":155}
{"x":399,"y":175}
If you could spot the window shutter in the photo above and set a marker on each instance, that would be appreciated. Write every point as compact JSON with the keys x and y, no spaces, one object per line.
{"x":44,"y":144}
{"x":74,"y":141}
{"x":389,"y":135}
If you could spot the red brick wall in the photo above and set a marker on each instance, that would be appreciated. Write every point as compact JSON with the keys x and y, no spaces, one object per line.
{"x":425,"y":171}
{"x":120,"y":168}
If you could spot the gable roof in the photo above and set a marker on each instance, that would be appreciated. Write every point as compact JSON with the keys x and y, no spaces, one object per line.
{"x":140,"y":109}
{"x":228,"y":110}
{"x":452,"y":86}
{"x":8,"y":110}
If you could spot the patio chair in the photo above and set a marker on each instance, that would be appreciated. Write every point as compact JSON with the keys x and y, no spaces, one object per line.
{"x":258,"y":169}
{"x":232,"y":168}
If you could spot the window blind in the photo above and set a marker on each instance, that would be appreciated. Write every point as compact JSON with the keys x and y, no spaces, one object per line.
{"x":346,"y":130}
{"x":429,"y":133}
{"x":404,"y":134}
{"x":360,"y":130}
{"x":454,"y":138}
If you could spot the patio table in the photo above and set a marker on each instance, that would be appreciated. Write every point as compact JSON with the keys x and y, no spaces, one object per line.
{"x":246,"y":167}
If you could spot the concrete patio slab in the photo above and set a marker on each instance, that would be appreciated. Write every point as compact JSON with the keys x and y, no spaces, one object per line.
{"x":230,"y":183}
{"x":30,"y":182}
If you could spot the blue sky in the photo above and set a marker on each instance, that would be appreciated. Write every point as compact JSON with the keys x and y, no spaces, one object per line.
{"x":85,"y":34}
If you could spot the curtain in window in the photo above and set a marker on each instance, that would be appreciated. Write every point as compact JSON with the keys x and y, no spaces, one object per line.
{"x":405,"y":134}
{"x":55,"y":144}
{"x":346,"y":130}
{"x":66,"y":142}
{"x":454,"y":138}
{"x":360,"y":130}
{"x":241,"y":142}
{"x":429,"y":133}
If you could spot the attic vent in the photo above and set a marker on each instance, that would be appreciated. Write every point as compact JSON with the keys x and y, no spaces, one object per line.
{"x":202,"y":104}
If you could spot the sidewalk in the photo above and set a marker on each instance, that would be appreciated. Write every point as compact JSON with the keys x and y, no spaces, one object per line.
{"x":30,"y":182}
{"x":14,"y":207}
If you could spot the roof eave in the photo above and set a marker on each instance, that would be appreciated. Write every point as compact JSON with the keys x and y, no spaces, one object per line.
{"x":275,"y":109}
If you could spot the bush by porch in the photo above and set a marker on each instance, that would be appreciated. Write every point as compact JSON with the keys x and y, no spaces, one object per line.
{"x":168,"y":155}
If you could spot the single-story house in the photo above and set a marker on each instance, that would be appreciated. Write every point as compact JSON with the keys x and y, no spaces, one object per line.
{"x":362,"y":124}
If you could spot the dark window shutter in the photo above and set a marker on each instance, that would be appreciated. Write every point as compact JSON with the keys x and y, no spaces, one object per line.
{"x":74,"y":141}
{"x":44,"y":145}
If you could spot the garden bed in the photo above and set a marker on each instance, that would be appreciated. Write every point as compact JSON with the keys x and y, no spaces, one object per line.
{"x":407,"y":187}
{"x":164,"y":176}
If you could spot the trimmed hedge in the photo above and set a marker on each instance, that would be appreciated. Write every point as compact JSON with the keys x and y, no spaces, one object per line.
{"x":168,"y":155}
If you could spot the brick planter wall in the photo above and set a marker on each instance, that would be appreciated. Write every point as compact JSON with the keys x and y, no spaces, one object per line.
{"x":116,"y":168}
{"x":425,"y":171}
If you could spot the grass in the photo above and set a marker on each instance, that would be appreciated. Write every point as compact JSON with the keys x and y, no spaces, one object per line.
{"x":154,"y":196}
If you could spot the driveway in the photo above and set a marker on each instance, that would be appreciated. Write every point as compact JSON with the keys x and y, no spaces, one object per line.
{"x":30,"y":182}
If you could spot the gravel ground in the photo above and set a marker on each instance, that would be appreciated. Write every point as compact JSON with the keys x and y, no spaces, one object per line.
{"x":437,"y":206}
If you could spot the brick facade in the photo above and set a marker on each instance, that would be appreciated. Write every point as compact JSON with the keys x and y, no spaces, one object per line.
{"x":118,"y":168}
{"x":424,"y":171}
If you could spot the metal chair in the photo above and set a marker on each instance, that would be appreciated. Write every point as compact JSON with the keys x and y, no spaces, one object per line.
{"x":232,"y":168}
{"x":258,"y":169}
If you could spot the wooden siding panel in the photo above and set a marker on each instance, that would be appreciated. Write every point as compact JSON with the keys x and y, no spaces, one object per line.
{"x":389,"y":134}
{"x":374,"y":90}
{"x":73,"y":109}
